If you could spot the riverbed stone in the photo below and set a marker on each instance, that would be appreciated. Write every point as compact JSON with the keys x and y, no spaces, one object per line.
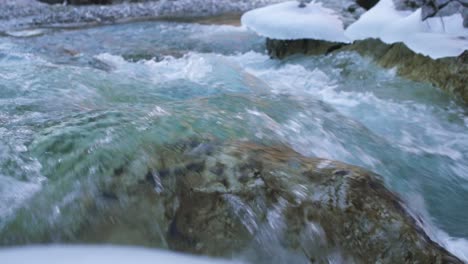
{"x":226,"y":198}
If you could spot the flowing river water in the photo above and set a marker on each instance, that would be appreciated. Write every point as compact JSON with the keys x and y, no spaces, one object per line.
{"x":77,"y":103}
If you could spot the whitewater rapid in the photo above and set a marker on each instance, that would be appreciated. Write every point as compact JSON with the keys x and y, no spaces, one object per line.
{"x":72,"y":108}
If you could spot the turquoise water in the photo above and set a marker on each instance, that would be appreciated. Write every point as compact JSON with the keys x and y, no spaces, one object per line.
{"x":78,"y":104}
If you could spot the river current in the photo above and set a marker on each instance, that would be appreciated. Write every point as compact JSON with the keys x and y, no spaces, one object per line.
{"x":77,"y":103}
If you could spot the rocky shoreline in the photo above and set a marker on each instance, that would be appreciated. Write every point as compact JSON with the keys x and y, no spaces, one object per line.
{"x":30,"y":14}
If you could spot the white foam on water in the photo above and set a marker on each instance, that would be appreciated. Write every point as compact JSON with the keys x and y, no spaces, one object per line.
{"x":296,"y":79}
{"x":365,"y":107}
{"x":59,"y":254}
{"x":243,"y":212}
{"x":13,"y":194}
{"x":457,"y":246}
{"x":412,"y":126}
{"x":193,"y":67}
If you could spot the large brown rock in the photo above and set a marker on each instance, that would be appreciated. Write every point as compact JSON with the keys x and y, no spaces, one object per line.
{"x":225,"y":199}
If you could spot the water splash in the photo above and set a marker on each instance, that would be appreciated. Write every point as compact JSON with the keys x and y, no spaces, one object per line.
{"x":77,"y":118}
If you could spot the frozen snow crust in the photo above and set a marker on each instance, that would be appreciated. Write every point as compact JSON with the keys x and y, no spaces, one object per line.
{"x":286,"y":21}
{"x":436,"y":37}
{"x":60,"y":254}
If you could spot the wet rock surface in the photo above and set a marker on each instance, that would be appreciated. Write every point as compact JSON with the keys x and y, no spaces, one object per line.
{"x":213,"y":198}
{"x":282,"y":48}
{"x":449,"y":74}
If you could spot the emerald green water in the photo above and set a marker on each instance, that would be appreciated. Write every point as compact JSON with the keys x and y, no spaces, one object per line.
{"x":76,"y":105}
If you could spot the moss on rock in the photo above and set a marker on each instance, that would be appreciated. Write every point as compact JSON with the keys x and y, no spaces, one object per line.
{"x":449,"y":74}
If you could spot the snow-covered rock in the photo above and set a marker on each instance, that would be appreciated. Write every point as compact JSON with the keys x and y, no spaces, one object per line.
{"x":435,"y":37}
{"x":435,"y":8}
{"x":287,"y":21}
{"x":373,"y":21}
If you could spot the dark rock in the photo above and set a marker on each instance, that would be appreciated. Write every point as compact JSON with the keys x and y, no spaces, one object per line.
{"x":109,"y":195}
{"x":444,"y":9}
{"x":408,"y":4}
{"x":197,"y":166}
{"x":283,"y":48}
{"x":465,"y":16}
{"x":463,"y":58}
{"x":52,"y":2}
{"x":150,"y":178}
{"x":367,"y":4}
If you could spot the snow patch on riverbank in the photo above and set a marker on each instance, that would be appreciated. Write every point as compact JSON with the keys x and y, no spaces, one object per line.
{"x":98,"y":254}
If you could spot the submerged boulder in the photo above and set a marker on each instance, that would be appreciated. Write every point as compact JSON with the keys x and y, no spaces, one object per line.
{"x":241,"y":198}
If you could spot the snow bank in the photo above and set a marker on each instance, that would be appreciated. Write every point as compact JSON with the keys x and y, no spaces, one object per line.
{"x":97,"y":255}
{"x":435,"y":37}
{"x":371,"y":23}
{"x":286,"y":21}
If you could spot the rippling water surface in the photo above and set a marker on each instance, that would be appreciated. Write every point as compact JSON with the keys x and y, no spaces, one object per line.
{"x":77,"y":104}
